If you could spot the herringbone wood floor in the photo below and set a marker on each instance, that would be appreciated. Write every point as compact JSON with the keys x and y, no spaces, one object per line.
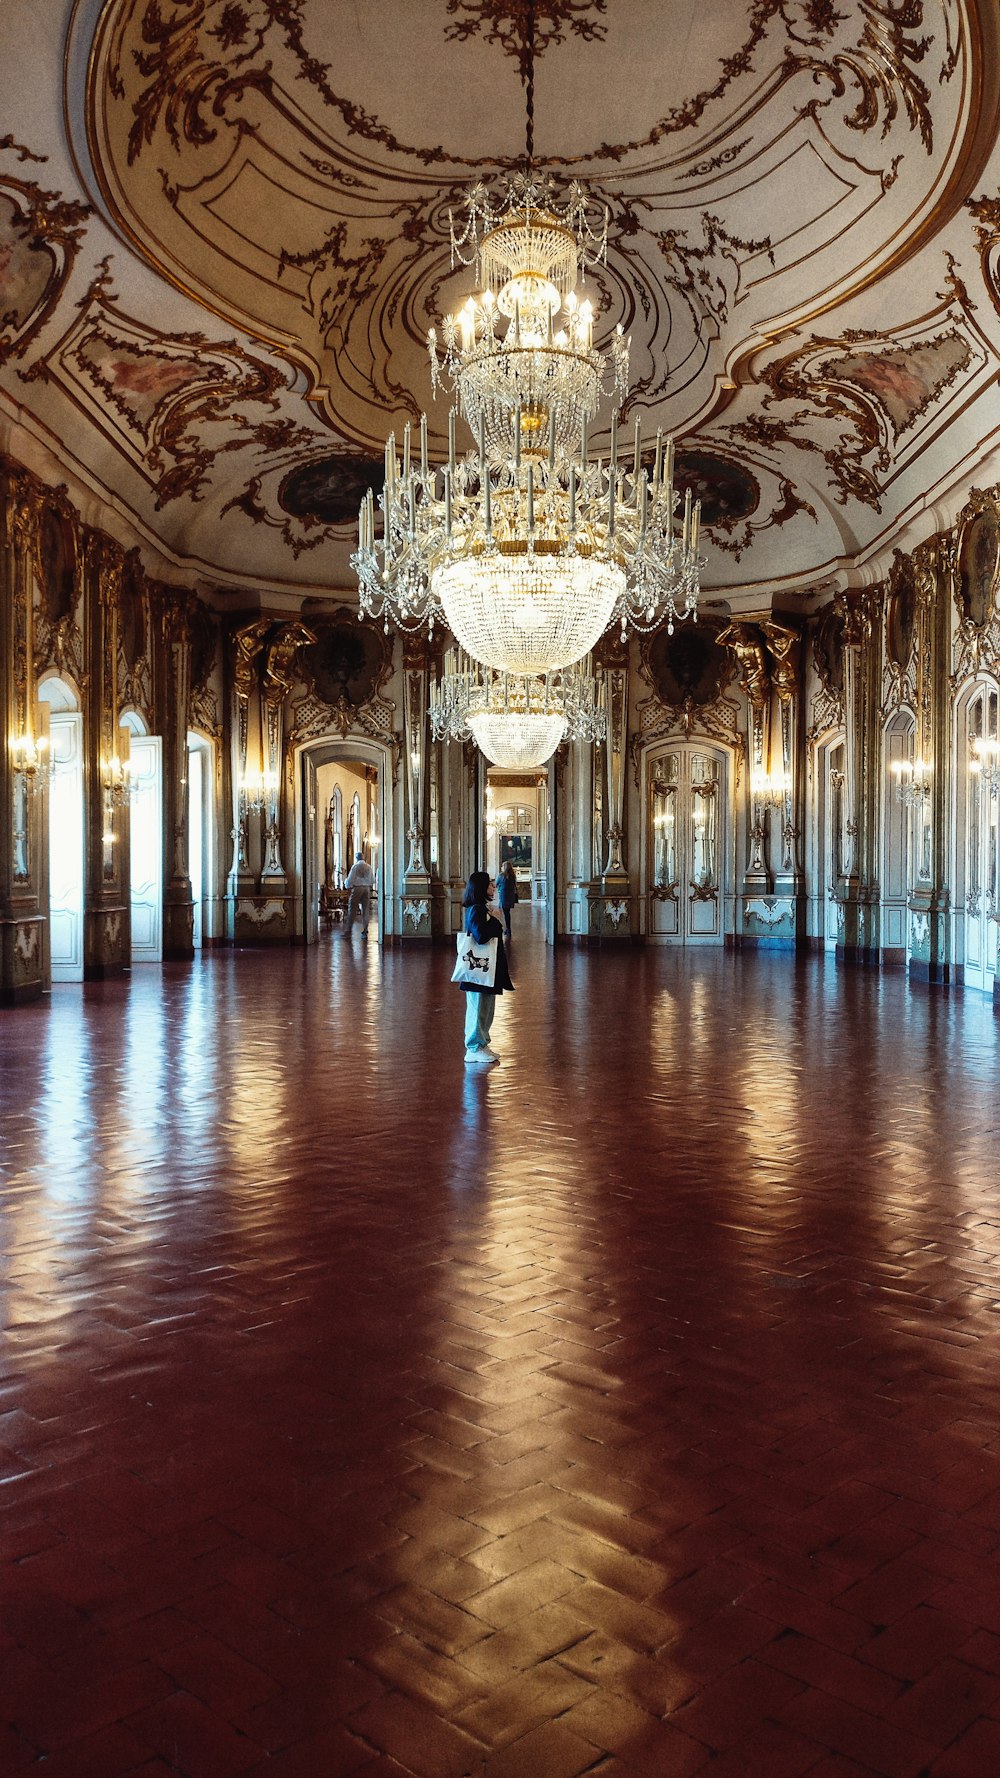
{"x":631,"y":1408}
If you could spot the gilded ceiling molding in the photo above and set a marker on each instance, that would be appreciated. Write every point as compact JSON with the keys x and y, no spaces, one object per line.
{"x":40,"y":236}
{"x":986,"y":213}
{"x":170,"y":402}
{"x":871,"y":388}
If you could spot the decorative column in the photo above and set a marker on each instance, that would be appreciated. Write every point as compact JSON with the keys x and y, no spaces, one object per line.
{"x":263,"y":910}
{"x":174,"y":684}
{"x":242,"y":663}
{"x":107,"y":926}
{"x":416,"y":921}
{"x":936,"y":570}
{"x":611,"y":898}
{"x":856,"y":887}
{"x":747,"y":644}
{"x":780,"y":916}
{"x":22,"y":831}
{"x":278,"y":679}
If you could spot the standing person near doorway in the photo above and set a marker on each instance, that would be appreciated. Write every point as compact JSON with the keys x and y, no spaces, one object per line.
{"x":358,"y":883}
{"x":506,"y":892}
{"x":480,"y":1003}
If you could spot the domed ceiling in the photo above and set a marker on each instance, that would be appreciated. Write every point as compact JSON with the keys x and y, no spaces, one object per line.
{"x":224,"y":234}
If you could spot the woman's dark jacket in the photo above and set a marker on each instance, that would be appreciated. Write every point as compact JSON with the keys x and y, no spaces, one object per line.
{"x":482,"y":926}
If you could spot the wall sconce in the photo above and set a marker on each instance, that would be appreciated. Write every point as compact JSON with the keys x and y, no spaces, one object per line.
{"x":31,"y":761}
{"x":913,"y":781}
{"x":116,"y":781}
{"x":985,"y":760}
{"x":257,"y":789}
{"x":772,"y":789}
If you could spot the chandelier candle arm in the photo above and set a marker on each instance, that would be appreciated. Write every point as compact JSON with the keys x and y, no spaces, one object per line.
{"x":523,"y":546}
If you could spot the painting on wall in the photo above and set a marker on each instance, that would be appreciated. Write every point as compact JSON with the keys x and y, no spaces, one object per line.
{"x":979,"y":566}
{"x":901,"y":616}
{"x":348,"y":662}
{"x":687,"y":668}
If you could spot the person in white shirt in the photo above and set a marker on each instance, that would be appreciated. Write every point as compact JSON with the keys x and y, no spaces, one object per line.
{"x":359,"y":881}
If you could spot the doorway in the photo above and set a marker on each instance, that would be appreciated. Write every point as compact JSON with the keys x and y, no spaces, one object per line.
{"x":687,"y":841}
{"x":65,"y":849}
{"x":897,"y":824}
{"x":200,"y":860}
{"x":145,"y":840}
{"x":343,"y":811}
{"x":982,"y":839}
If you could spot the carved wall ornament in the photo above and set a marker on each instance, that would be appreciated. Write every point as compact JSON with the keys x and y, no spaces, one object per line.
{"x":719,"y":721}
{"x":746,"y":644}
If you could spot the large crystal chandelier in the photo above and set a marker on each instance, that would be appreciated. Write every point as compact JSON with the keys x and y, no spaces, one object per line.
{"x":517,"y":720}
{"x":526,"y":548}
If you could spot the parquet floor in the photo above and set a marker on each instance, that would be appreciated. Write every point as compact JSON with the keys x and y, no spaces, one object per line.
{"x":632,"y":1408}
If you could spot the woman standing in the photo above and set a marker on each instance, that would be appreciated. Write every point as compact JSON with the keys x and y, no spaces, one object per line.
{"x":506,"y":892}
{"x":480,"y":1003}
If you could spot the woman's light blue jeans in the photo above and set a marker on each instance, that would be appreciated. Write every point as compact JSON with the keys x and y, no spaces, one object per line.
{"x":479,"y":1010}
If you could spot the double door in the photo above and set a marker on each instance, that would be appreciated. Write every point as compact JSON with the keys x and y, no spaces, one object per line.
{"x":982,"y":841}
{"x":687,"y":843}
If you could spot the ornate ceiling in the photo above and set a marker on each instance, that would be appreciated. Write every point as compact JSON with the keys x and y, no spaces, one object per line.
{"x":223,"y":235}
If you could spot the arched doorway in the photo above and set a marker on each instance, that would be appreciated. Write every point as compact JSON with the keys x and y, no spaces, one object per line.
{"x":687,"y":842}
{"x":977,"y":865}
{"x":65,"y":856}
{"x":343,"y":806}
{"x":145,"y":839}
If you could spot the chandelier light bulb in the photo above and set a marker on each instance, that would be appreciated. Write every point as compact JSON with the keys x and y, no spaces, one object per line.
{"x":523,"y":546}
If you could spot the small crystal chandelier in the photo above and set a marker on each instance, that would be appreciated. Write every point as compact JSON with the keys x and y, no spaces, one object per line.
{"x":31,"y":761}
{"x":985,"y":761}
{"x":516,"y":720}
{"x":523,"y":546}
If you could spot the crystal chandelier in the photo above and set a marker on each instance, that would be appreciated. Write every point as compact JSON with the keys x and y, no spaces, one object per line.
{"x":516,"y":720}
{"x":523,"y":546}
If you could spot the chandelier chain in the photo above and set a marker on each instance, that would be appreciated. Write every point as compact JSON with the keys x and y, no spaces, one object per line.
{"x":529,"y":86}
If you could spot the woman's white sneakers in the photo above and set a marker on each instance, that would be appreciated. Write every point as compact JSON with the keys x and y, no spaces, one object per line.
{"x":481,"y":1058}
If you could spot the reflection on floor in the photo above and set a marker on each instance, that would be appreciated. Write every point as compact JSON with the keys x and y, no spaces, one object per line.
{"x":629,"y":1408}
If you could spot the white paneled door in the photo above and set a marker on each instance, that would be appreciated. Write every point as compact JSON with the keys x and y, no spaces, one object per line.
{"x":66,"y":847}
{"x":687,"y":841}
{"x":146,"y":848}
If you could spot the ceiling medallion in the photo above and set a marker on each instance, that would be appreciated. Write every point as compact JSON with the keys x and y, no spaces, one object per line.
{"x":523,"y":546}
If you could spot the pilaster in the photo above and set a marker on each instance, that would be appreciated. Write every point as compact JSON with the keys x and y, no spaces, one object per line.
{"x":417,"y":908}
{"x":106,"y":921}
{"x":611,"y":909}
{"x":931,"y":960}
{"x":22,"y":824}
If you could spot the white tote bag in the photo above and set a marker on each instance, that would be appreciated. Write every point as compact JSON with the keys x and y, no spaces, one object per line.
{"x":477,"y":964}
